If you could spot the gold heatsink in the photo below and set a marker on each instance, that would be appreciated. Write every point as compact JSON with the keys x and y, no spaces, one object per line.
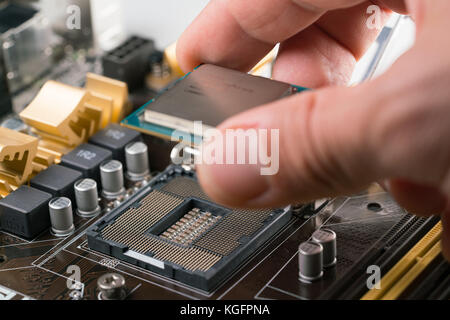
{"x":114,"y":93}
{"x":17,"y":151}
{"x":64,"y":116}
{"x":56,"y":113}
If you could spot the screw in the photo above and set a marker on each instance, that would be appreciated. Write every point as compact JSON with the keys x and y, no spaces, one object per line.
{"x":75,"y":295}
{"x":112,"y":286}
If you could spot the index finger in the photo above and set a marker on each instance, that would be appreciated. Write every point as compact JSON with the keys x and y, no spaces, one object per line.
{"x":237,"y":34}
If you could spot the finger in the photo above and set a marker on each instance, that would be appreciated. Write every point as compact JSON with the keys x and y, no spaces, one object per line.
{"x":312,"y":59}
{"x":349,"y":27}
{"x":237,"y":34}
{"x":326,"y":52}
{"x":338,"y":140}
{"x":323,"y":151}
{"x":417,"y":199}
{"x":216,"y":37}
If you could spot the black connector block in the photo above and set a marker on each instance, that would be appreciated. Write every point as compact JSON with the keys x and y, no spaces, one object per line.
{"x":129,"y":62}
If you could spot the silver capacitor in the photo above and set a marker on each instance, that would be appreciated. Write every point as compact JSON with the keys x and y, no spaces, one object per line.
{"x":61,"y":216}
{"x":327,"y":238}
{"x":111,"y":173}
{"x":136,"y":157}
{"x":86,"y":196}
{"x":310,"y":261}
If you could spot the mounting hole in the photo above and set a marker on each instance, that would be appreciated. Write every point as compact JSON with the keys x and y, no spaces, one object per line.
{"x":2,"y":258}
{"x":375,"y":207}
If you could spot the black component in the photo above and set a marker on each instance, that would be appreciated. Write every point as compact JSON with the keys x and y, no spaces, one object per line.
{"x":58,"y":181}
{"x":219,"y":239}
{"x":12,"y":16}
{"x":161,"y":159}
{"x":24,"y":212}
{"x":115,"y":138}
{"x":129,"y":61}
{"x":156,"y":57}
{"x":87,"y":159}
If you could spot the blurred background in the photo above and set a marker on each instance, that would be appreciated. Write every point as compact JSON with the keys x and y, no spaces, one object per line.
{"x":64,"y":39}
{"x":164,"y":21}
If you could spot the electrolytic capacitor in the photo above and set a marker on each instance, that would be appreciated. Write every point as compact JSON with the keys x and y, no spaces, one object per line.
{"x":111,"y":173}
{"x":86,"y":195}
{"x":310,"y":261}
{"x":136,"y":157}
{"x":61,"y":216}
{"x":327,"y":238}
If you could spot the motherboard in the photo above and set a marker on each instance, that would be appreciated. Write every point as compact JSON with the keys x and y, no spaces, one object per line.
{"x":93,"y":207}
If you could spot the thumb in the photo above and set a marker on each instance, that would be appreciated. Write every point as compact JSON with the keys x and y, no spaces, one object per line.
{"x":338,"y":140}
{"x":323,"y":147}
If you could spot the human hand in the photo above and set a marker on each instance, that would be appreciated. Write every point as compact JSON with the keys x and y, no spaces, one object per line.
{"x":334,"y":140}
